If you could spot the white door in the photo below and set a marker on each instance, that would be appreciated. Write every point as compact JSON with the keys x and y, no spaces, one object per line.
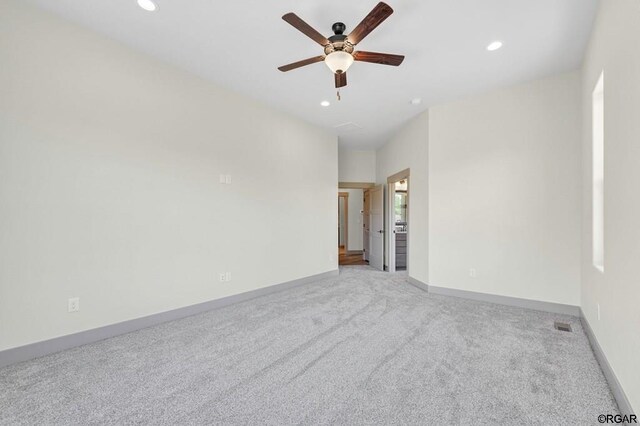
{"x":365,"y":225}
{"x":376,"y":227}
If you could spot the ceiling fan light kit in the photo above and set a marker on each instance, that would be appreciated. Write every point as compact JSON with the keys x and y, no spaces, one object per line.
{"x":338,"y":62}
{"x":339,"y":49}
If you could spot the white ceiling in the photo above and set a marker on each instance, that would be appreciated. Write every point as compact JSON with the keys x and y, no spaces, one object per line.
{"x":240,"y":43}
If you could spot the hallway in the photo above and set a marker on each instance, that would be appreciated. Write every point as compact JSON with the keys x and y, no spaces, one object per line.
{"x":350,"y":259}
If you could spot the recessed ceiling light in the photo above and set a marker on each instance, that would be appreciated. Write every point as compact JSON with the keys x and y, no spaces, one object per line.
{"x":325,"y":103}
{"x":494,"y":46}
{"x":147,"y":5}
{"x":415,"y":101}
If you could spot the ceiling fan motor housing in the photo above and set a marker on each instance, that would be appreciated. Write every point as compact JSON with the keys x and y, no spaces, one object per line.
{"x":338,"y":28}
{"x":338,"y":42}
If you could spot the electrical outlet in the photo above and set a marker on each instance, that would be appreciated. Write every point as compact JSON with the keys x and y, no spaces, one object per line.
{"x":227,"y":179}
{"x":223,"y":179}
{"x":73,"y":304}
{"x":223,"y":277}
{"x":598,"y":312}
{"x":472,"y":272}
{"x":228,"y":276}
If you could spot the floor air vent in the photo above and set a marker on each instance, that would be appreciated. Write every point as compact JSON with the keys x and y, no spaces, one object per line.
{"x":562,"y":326}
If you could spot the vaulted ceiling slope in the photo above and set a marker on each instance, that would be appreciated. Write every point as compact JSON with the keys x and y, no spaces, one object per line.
{"x":239,"y":45}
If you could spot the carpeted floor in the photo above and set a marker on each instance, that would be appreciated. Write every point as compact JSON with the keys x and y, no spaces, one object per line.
{"x":364,"y":348}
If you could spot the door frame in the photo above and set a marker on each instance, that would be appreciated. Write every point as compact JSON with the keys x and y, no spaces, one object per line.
{"x":365,"y":186}
{"x":391,"y":222}
{"x":356,"y":185}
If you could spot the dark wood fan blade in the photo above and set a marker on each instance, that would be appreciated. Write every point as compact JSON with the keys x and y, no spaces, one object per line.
{"x":302,"y":63}
{"x":379,"y":13}
{"x":378,"y":58}
{"x":341,"y":79}
{"x":305,"y":28}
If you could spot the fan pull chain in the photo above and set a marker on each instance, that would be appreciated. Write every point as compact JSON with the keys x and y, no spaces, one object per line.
{"x":338,"y":94}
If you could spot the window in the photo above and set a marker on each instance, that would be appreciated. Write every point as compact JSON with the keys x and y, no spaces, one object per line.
{"x":598,"y":174}
{"x":400,"y":203}
{"x":401,"y":207}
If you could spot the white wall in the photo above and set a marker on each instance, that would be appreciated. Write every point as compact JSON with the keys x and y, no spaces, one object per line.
{"x":355,"y":234}
{"x":356,"y":166}
{"x":614,"y":49}
{"x":409,"y":150}
{"x":109,"y":184}
{"x":504,"y":192}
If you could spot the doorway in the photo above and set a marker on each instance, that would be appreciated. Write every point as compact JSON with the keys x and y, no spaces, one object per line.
{"x":398,"y":221}
{"x":352,"y":219}
{"x":343,"y":221}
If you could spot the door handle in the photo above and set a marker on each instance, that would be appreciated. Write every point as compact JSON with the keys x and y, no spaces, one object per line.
{"x":381,"y":231}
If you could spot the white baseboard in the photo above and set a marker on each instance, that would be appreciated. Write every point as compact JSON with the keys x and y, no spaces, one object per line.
{"x":555,"y":308}
{"x":417,"y":283}
{"x":618,"y":393}
{"x":46,"y":347}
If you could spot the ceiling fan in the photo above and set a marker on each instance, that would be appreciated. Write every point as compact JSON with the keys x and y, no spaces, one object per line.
{"x":339,"y":49}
